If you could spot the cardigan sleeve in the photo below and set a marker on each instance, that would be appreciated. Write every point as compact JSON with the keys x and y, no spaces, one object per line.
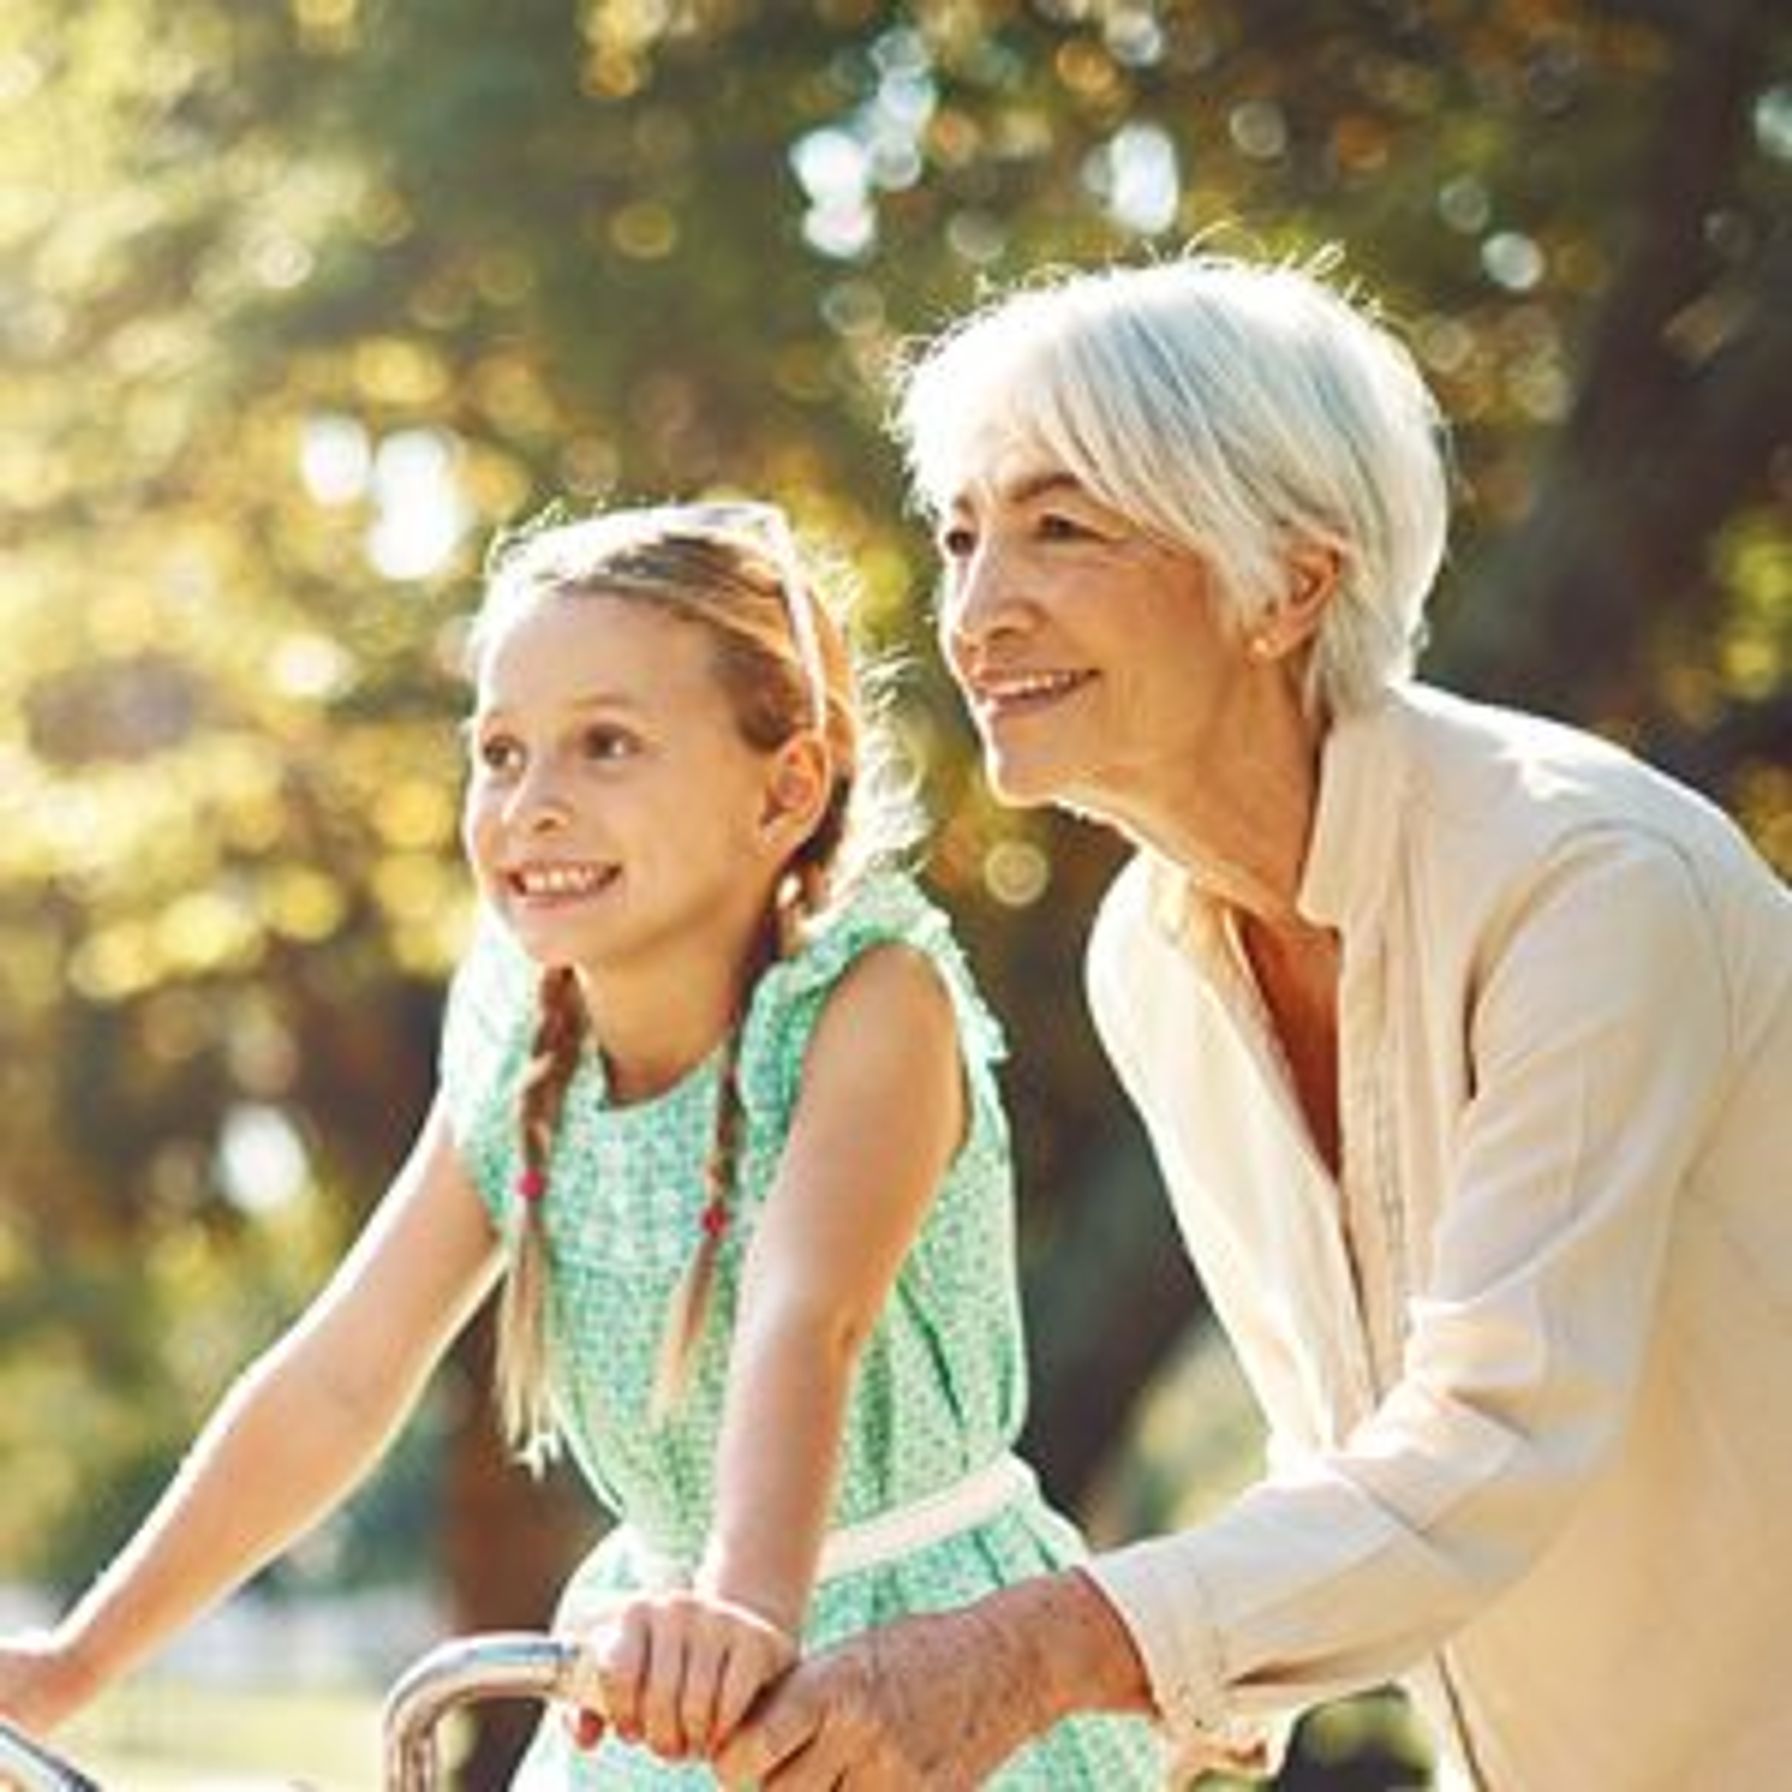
{"x":1598,"y":1038}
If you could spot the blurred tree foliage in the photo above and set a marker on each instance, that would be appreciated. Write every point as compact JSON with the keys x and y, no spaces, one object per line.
{"x":301,"y":300}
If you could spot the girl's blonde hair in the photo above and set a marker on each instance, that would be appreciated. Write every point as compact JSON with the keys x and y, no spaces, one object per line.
{"x":784,"y":665}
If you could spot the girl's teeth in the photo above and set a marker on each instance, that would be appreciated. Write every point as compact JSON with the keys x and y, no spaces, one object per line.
{"x":559,"y":880}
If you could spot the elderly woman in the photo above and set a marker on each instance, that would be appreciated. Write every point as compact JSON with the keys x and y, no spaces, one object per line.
{"x":1465,"y":1044}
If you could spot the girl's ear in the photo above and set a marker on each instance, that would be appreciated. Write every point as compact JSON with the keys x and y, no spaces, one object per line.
{"x":798,"y":783}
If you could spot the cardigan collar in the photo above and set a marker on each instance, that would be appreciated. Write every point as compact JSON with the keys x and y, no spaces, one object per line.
{"x":1350,"y":855}
{"x":1357,"y":818}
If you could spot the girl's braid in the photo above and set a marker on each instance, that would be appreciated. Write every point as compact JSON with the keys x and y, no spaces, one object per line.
{"x":522,"y":1320}
{"x":689,"y":1310}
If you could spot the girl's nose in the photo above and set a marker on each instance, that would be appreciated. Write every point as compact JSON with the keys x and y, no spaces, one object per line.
{"x":537,"y":803}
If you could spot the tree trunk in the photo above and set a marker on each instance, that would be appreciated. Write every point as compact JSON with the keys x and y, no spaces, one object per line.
{"x":1112,"y":1298}
{"x":1686,"y":393}
{"x":507,"y":1544}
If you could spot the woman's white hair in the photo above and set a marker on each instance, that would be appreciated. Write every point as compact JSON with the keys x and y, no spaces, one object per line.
{"x":1237,"y":409}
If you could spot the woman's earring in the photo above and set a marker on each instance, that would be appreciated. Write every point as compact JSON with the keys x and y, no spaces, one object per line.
{"x":1260,"y":647}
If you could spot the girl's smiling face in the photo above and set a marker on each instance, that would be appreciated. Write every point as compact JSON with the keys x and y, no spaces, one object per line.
{"x":614,"y":811}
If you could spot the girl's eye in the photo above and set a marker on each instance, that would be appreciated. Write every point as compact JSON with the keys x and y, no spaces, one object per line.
{"x":606,"y":742}
{"x":498,"y":753}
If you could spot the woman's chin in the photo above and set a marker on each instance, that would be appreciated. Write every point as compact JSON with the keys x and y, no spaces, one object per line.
{"x":1018,"y":786}
{"x":1022,"y":784}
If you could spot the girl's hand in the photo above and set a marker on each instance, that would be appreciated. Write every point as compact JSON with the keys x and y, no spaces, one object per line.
{"x":677,"y":1671}
{"x":40,"y":1684}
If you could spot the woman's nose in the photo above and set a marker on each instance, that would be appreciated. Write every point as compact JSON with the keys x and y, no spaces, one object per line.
{"x":978,"y":598}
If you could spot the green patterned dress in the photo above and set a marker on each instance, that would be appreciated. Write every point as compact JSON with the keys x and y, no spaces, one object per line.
{"x":940,"y":1388}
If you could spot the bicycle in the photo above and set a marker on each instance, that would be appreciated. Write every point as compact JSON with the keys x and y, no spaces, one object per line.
{"x":464,"y":1670}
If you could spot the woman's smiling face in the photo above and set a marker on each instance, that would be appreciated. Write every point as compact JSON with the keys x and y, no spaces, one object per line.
{"x":1091,"y":654}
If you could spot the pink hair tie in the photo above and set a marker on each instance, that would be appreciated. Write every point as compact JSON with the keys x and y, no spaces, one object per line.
{"x":531,"y":1184}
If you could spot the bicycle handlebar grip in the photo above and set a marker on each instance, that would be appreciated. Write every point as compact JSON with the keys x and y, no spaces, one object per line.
{"x":27,"y":1766}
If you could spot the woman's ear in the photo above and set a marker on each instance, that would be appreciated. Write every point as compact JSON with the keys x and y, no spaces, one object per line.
{"x":1292,"y":621}
{"x":798,"y":782}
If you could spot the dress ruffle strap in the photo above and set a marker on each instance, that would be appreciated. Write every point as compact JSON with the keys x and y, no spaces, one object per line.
{"x":491,"y":1005}
{"x":885,"y":908}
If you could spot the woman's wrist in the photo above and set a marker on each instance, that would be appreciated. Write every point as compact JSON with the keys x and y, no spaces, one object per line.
{"x":1070,"y":1649}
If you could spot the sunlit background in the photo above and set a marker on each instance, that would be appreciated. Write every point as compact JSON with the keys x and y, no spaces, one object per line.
{"x":301,"y":301}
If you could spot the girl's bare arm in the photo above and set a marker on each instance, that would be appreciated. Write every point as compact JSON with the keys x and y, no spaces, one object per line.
{"x":292,"y":1437}
{"x":880,"y":1114}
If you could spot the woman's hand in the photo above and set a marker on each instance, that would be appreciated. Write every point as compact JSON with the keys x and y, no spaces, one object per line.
{"x":677,"y":1671}
{"x":937,"y":1703}
{"x":41,"y":1684}
{"x":924,"y":1704}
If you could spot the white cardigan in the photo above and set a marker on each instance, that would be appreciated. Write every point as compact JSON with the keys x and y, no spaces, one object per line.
{"x":1527,"y":1365}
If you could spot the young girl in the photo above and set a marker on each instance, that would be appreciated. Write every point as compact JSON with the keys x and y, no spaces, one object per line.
{"x":718,"y":1102}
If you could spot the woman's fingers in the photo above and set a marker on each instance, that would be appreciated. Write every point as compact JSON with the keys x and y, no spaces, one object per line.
{"x":782,"y":1728}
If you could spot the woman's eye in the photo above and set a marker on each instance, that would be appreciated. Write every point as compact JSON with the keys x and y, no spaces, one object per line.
{"x":956,"y":541}
{"x":1055,"y":526}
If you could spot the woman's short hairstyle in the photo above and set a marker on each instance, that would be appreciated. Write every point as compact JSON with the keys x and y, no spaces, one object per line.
{"x":1233,"y":408}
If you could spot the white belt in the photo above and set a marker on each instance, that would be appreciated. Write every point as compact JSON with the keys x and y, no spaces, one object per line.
{"x":887,"y":1537}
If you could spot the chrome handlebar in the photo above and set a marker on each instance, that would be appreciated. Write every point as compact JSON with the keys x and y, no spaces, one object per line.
{"x":28,"y":1766}
{"x":498,"y":1665}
